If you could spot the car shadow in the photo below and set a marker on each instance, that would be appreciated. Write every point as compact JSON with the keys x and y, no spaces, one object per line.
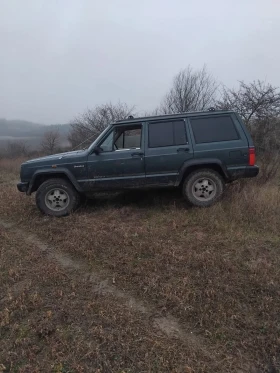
{"x":146,"y":199}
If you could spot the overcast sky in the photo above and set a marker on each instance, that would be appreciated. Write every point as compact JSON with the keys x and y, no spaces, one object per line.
{"x":59,"y":57}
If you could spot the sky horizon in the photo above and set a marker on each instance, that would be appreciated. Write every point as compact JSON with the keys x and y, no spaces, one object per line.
{"x":61,"y":57}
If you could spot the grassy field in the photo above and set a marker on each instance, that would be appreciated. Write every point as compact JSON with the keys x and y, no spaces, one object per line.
{"x":137,"y":282}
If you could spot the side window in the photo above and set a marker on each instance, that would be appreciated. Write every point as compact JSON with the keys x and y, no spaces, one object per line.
{"x":213,"y":129}
{"x":129,"y":138}
{"x":167,"y":133}
{"x":160,"y":134}
{"x":123,"y":138}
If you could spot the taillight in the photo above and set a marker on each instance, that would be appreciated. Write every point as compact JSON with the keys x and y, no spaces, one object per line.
{"x":252,"y":156}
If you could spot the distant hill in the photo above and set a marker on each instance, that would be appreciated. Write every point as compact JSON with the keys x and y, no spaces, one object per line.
{"x":31,"y":133}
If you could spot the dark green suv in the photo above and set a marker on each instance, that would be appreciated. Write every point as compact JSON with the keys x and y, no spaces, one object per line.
{"x":197,"y":152}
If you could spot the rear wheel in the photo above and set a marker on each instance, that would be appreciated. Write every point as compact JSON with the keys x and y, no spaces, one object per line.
{"x":203,"y":188}
{"x":57,"y":197}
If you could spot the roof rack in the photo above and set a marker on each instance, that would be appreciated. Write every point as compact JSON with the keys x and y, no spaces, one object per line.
{"x":165,"y":116}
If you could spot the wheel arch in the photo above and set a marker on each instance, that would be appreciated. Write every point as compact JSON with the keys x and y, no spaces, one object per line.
{"x":193,"y":165}
{"x":42,"y":176}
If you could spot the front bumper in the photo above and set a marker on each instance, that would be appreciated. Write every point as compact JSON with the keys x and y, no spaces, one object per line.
{"x":22,"y":187}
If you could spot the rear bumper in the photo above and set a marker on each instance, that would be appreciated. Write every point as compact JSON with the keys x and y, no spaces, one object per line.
{"x":251,"y":171}
{"x":242,"y":172}
{"x":22,"y":187}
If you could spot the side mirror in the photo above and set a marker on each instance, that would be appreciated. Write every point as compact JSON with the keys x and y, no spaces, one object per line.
{"x":97,"y":150}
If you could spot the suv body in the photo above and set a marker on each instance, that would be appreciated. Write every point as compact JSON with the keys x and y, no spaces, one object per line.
{"x":159,"y":151}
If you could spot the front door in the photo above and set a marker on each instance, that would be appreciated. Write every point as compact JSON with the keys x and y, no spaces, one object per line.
{"x":120,"y":160}
{"x":166,"y":151}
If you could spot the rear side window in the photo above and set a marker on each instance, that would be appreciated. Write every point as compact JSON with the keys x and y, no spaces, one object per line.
{"x":167,"y":134}
{"x":213,"y":129}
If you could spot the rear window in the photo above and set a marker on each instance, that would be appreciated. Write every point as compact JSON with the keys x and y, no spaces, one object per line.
{"x":167,"y":133}
{"x":213,"y":129}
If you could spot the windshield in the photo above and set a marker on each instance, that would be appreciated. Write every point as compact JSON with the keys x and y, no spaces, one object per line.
{"x":98,"y":138}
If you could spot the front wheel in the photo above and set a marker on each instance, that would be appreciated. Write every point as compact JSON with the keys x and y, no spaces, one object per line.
{"x":203,"y":188}
{"x":57,"y":197}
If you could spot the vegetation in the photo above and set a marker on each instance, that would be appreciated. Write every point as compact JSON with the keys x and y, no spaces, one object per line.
{"x":86,"y":127}
{"x":21,"y":138}
{"x":146,"y":285}
{"x":258,"y":103}
{"x":137,"y":282}
{"x":190,"y":91}
{"x":50,"y":142}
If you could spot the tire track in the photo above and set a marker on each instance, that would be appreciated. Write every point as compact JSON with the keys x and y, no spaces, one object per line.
{"x":104,"y":285}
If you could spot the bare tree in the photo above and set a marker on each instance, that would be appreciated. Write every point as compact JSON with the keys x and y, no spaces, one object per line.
{"x":191,"y":90}
{"x":266,"y":134}
{"x":50,"y":141}
{"x":17,"y":149}
{"x":86,"y":127}
{"x":258,"y":103}
{"x":256,"y":100}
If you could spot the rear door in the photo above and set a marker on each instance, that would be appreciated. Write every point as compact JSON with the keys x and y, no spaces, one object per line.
{"x":220,"y":137}
{"x":166,"y":149}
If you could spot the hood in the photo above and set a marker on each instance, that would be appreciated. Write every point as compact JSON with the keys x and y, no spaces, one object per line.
{"x":58,"y":156}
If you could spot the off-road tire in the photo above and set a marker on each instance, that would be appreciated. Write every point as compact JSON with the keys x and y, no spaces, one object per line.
{"x":206,"y":179}
{"x":71,"y":202}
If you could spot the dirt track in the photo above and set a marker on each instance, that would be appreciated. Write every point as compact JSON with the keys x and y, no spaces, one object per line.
{"x":103,"y":284}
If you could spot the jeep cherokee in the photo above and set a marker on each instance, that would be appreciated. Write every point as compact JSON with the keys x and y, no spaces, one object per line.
{"x":197,"y":151}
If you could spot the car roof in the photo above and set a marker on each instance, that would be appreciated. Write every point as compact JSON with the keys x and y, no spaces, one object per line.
{"x":174,"y":116}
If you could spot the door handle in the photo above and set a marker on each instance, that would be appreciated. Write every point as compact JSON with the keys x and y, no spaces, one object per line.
{"x":137,"y":154}
{"x":180,"y":150}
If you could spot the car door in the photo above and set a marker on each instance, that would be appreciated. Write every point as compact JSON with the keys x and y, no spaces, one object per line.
{"x":166,"y":151}
{"x":119,"y":161}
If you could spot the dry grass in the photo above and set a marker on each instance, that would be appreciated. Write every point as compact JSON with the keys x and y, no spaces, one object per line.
{"x":10,"y":169}
{"x":217,"y":270}
{"x":51,"y":320}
